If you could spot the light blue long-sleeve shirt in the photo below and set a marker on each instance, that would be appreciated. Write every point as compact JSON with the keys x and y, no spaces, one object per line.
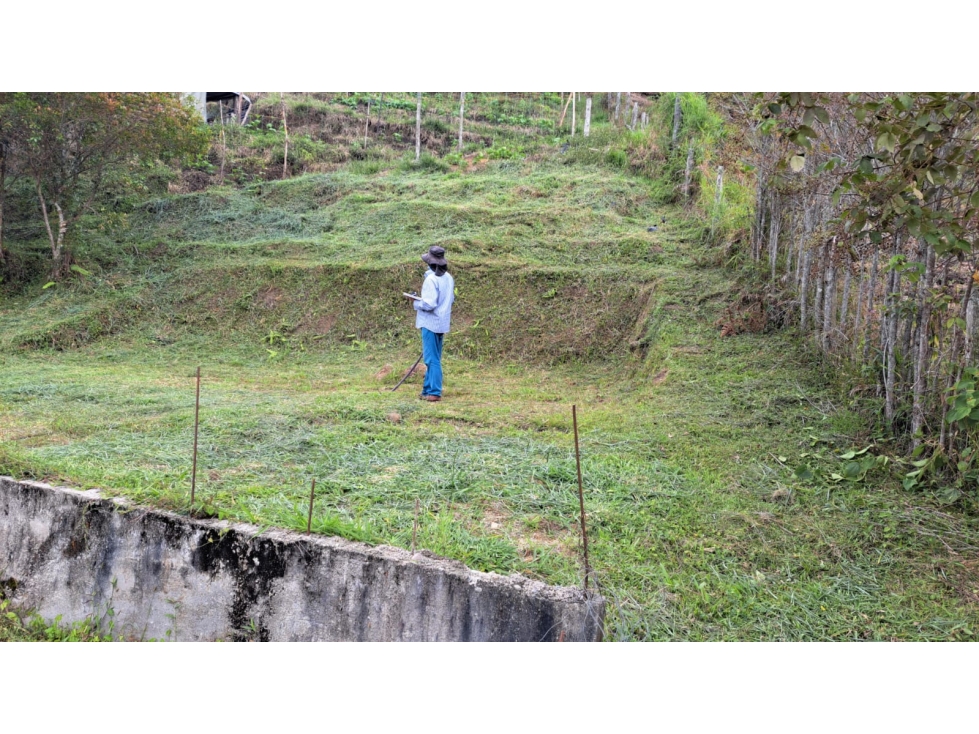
{"x":435,"y":307}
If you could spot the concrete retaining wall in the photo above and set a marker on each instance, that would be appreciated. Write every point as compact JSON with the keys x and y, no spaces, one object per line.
{"x":165,"y":576}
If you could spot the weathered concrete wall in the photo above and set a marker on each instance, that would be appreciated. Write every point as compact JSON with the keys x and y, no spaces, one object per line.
{"x":164,"y":576}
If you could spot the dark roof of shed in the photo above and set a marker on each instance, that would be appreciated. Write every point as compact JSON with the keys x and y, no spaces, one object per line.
{"x":219,"y":96}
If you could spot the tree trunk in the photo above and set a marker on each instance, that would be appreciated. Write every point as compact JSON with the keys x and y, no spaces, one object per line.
{"x":774,"y":227}
{"x":871,"y":296}
{"x":890,"y":363}
{"x":224,"y":145}
{"x":795,"y":260}
{"x":418,"y":129}
{"x":285,"y":129}
{"x":912,"y":329}
{"x":890,"y":399}
{"x":57,"y":242}
{"x":804,"y":235}
{"x":618,"y":104}
{"x":796,"y":248}
{"x":564,"y":112}
{"x":861,"y":291}
{"x":789,"y":260}
{"x":367,"y":122}
{"x":3,"y":195}
{"x":677,"y":118}
{"x":955,"y":369}
{"x":910,"y":340}
{"x":587,"y":128}
{"x":921,"y":363}
{"x":462,"y":110}
{"x":574,"y":114}
{"x":688,"y":173}
{"x":970,"y":327}
{"x":885,"y":317}
{"x":761,"y":210}
{"x":829,"y":301}
{"x":845,"y":300}
{"x":817,"y":303}
{"x":804,"y":290}
{"x":59,"y":255}
{"x":635,"y":116}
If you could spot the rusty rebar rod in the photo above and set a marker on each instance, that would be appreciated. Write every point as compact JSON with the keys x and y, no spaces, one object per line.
{"x":309,"y":518}
{"x":581,"y":494}
{"x":414,"y":529}
{"x":197,"y":413}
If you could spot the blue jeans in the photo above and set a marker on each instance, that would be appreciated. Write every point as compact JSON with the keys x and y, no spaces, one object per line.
{"x":432,"y":356}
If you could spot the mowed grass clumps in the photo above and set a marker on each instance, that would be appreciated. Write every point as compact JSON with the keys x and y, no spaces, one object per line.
{"x":697,"y":531}
{"x":321,"y":260}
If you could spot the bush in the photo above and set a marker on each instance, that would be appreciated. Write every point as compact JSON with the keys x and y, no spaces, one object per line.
{"x":367,"y":167}
{"x":616,"y":158}
{"x":436,"y":126}
{"x":502,"y":152}
{"x":427,"y":162}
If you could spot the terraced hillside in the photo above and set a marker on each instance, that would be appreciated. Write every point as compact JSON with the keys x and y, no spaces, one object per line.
{"x":707,"y":453}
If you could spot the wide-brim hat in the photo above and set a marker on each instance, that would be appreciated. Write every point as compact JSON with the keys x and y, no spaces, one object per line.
{"x":435,"y":256}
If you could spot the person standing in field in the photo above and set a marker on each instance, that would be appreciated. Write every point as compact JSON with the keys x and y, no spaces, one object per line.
{"x":434,"y":310}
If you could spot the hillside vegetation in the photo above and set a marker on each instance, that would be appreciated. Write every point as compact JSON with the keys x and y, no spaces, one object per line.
{"x":716,"y":451}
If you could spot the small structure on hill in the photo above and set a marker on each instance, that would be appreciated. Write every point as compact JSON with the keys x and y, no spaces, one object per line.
{"x":228,"y":107}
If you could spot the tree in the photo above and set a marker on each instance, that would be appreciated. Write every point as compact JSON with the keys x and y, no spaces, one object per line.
{"x":70,"y":144}
{"x":865,"y":185}
{"x":7,"y":126}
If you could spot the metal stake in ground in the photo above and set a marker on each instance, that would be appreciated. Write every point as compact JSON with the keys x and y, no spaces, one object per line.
{"x":309,"y":518}
{"x":414,"y":528}
{"x":581,"y":494}
{"x":197,"y":412}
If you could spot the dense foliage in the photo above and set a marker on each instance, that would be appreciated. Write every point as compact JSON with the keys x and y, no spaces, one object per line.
{"x":70,"y":147}
{"x":866,"y":210}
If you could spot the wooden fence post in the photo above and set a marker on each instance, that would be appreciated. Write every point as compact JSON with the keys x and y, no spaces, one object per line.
{"x":677,"y":118}
{"x":285,"y":129}
{"x":688,"y":173}
{"x":462,"y":109}
{"x":418,"y":129}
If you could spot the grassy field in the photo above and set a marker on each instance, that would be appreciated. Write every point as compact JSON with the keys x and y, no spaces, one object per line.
{"x":286,"y":294}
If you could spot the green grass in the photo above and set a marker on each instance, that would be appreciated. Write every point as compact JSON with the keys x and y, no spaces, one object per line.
{"x":293,"y":265}
{"x":286,"y":294}
{"x":327,"y":131}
